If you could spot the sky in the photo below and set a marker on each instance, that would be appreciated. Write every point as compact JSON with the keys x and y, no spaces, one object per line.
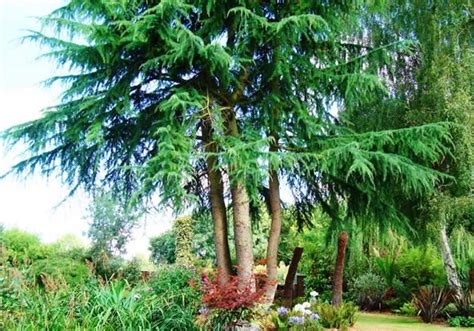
{"x":33,"y":203}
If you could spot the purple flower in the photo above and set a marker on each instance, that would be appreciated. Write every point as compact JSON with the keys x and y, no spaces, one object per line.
{"x":296,"y":320}
{"x":203,"y":310}
{"x":282,"y":311}
{"x":314,"y":317}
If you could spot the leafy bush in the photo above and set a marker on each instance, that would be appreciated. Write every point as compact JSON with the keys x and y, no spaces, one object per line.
{"x":22,"y":247}
{"x":369,"y":290}
{"x":401,"y":294}
{"x":317,"y":262}
{"x":183,"y":232}
{"x":106,"y":266}
{"x":340,"y":317}
{"x":464,"y":305}
{"x":430,"y":301}
{"x":301,"y":317}
{"x":177,"y":300}
{"x":169,"y":305}
{"x":131,"y":271}
{"x":229,"y":296}
{"x":388,"y":268}
{"x":11,"y":284}
{"x":73,"y":272}
{"x":228,"y":303}
{"x":408,"y":309}
{"x":163,"y":248}
{"x":461,"y":321}
{"x":419,"y":267}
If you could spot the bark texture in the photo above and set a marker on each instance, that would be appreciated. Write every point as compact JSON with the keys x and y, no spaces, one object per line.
{"x":449,"y":266}
{"x":274,"y":237}
{"x":218,"y":208}
{"x":339,"y":271}
{"x":219,"y":216}
{"x":242,"y":232}
{"x":241,"y":208}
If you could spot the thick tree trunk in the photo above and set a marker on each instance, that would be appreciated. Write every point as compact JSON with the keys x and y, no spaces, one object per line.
{"x":241,"y":210}
{"x":242,"y":232}
{"x":338,"y":272}
{"x":274,"y":237}
{"x":274,"y":191}
{"x":449,"y":266}
{"x":218,"y":209}
{"x":219,"y":216}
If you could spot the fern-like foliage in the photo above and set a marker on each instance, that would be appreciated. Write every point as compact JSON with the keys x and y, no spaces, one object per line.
{"x":146,"y":76}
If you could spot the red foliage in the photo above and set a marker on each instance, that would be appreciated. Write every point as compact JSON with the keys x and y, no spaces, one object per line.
{"x":235,"y":294}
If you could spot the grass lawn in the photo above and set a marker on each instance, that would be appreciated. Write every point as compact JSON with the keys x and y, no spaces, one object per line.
{"x":388,"y":322}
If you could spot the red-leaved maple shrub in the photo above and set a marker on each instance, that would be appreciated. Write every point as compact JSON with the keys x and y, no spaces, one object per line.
{"x":232,"y":295}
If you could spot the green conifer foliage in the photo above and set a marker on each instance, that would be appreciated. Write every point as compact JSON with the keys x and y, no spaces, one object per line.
{"x":149,"y":78}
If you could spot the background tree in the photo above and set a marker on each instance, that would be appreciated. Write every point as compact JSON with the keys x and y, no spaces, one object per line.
{"x":163,"y":248}
{"x":111,"y":224}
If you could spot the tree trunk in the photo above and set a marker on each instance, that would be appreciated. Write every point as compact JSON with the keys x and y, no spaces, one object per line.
{"x":218,"y":209}
{"x":242,"y":232}
{"x":274,"y":237}
{"x":274,"y":190}
{"x":338,"y":272}
{"x":241,"y":210}
{"x":449,"y":266}
{"x":219,"y":216}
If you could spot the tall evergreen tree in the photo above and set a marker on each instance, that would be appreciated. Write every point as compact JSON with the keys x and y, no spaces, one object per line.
{"x":159,"y":88}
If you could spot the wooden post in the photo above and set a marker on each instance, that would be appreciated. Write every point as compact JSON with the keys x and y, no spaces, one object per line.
{"x":290,"y":277}
{"x":299,"y":286}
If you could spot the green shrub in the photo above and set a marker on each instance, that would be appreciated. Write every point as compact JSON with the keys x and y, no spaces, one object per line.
{"x":464,"y":306}
{"x":408,"y":309}
{"x":170,"y":304}
{"x":388,"y":268}
{"x":461,"y":321}
{"x":73,"y":272}
{"x":183,"y":232}
{"x":419,"y":267}
{"x":163,"y":248}
{"x":401,"y":293}
{"x":341,"y":317}
{"x":106,"y":266}
{"x":22,"y":247}
{"x":317,"y":263}
{"x":369,"y":290}
{"x":131,"y":271}
{"x":430,"y":301}
{"x":11,"y":284}
{"x":178,"y":301}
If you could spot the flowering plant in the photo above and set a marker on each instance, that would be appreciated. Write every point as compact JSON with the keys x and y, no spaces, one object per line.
{"x":301,"y":317}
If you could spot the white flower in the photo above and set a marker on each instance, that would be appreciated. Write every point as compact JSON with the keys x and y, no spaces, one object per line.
{"x":314,"y":294}
{"x":299,"y":307}
{"x":307,"y":312}
{"x":306,"y":305}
